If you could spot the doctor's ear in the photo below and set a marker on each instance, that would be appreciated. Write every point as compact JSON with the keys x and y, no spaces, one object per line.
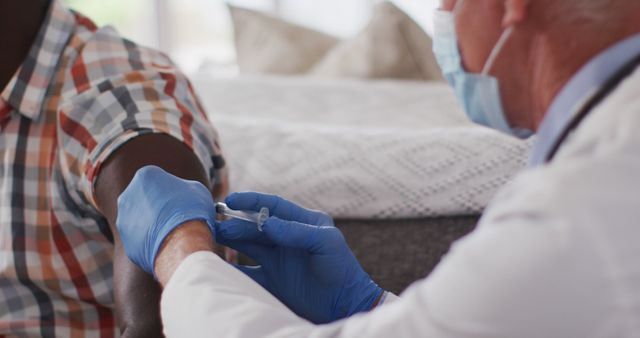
{"x":516,"y":12}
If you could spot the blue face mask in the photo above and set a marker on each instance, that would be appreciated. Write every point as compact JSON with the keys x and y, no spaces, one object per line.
{"x":478,"y":93}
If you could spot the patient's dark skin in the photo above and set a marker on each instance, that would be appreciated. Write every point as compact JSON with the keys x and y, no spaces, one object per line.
{"x":19,"y":25}
{"x":137,"y":294}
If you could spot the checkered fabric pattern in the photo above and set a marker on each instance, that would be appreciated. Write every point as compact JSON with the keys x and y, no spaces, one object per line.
{"x":81,"y":93}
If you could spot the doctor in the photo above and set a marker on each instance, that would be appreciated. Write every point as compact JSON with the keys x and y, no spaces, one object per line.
{"x":555,"y":255}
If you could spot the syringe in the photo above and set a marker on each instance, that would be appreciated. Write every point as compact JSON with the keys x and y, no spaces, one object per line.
{"x":250,"y":216}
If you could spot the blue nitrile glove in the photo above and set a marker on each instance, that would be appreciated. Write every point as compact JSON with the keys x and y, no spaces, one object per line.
{"x":153,"y":205}
{"x":304,"y":259}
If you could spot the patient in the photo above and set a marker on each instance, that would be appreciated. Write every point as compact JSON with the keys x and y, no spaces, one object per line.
{"x":81,"y":111}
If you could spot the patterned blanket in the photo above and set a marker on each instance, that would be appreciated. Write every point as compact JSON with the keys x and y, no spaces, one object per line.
{"x":387,"y":150}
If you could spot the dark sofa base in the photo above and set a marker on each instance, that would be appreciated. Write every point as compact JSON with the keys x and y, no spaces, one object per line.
{"x":398,"y":252}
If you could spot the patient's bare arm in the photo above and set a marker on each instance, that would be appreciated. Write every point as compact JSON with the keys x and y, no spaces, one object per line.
{"x":138,"y":294}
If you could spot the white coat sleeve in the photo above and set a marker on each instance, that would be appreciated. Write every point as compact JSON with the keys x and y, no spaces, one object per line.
{"x":501,"y":281}
{"x":554,"y":256}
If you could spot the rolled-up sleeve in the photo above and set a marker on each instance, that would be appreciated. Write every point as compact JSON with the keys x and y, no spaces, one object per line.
{"x":124,"y":93}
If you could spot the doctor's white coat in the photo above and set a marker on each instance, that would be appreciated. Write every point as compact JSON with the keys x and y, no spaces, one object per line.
{"x":557,"y":254}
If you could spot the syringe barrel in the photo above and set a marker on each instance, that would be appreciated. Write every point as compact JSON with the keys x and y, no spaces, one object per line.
{"x":250,"y":216}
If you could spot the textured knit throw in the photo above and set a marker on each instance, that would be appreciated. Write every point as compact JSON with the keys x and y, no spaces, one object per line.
{"x":355,"y":149}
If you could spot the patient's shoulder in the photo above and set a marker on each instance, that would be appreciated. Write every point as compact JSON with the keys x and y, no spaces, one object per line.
{"x":102,"y":54}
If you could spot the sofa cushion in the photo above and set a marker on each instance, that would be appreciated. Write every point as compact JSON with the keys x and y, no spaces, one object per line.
{"x":268,"y":45}
{"x":391,"y":46}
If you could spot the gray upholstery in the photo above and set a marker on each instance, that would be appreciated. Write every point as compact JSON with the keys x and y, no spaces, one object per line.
{"x":398,"y":252}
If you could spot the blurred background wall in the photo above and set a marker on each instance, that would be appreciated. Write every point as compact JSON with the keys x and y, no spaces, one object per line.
{"x":200,"y":32}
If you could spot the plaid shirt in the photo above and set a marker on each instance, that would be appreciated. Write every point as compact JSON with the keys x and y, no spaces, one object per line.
{"x":81,"y":93}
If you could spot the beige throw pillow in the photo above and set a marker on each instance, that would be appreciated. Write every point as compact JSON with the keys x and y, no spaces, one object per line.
{"x":265,"y":44}
{"x":391,"y":46}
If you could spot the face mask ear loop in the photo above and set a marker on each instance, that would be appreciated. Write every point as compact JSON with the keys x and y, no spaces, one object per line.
{"x":457,"y":7}
{"x":496,"y":50}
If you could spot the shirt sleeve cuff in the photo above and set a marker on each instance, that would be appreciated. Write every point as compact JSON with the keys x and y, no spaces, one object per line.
{"x":206,"y":296}
{"x":97,"y":158}
{"x":387,"y":297}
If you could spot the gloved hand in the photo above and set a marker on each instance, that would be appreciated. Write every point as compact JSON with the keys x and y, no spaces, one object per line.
{"x":152,"y":206}
{"x":304,"y":259}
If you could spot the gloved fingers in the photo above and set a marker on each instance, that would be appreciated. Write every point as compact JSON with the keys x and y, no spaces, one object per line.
{"x":254,"y":201}
{"x":321,"y":219}
{"x":154,"y":204}
{"x":296,"y":235}
{"x":254,"y":272}
{"x":236,"y":229}
{"x":257,"y":252}
{"x":278,"y":207}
